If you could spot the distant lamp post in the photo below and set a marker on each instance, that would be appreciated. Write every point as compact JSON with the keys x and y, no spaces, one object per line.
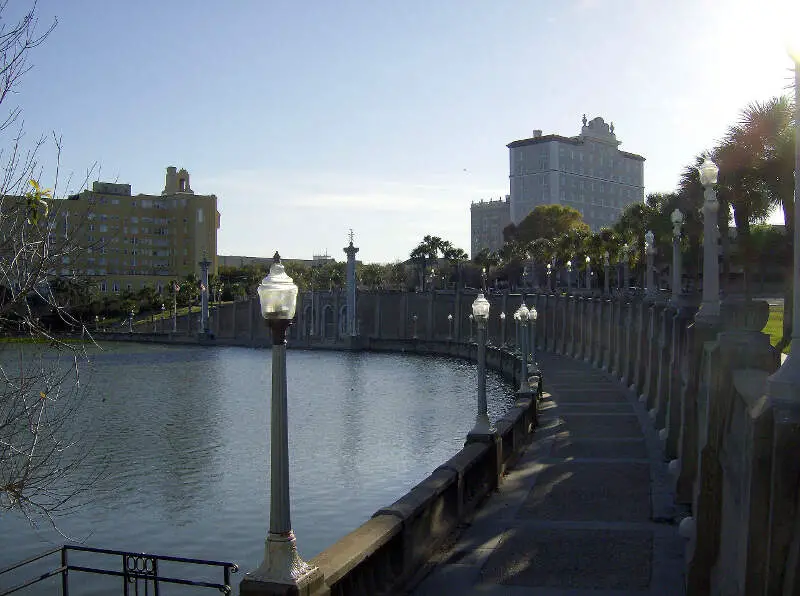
{"x":130,"y":322}
{"x":163,"y":315}
{"x":450,"y":327}
{"x":569,"y":276}
{"x":677,"y":223}
{"x":175,"y":289}
{"x":282,"y":564}
{"x":532,"y":316}
{"x":709,"y":308}
{"x":471,"y":318}
{"x":549,"y":272}
{"x":588,"y":272}
{"x":626,"y":272}
{"x":413,"y":326}
{"x":96,"y":323}
{"x":650,"y":272}
{"x":517,"y":341}
{"x":502,"y":330}
{"x":480,"y":313}
{"x":606,"y":274}
{"x":524,"y":315}
{"x":483,"y":278}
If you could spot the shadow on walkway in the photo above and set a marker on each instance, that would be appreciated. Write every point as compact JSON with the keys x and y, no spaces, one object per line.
{"x":586,"y":511}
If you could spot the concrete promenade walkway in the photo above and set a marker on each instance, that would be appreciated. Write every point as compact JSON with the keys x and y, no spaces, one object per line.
{"x":586,"y":510}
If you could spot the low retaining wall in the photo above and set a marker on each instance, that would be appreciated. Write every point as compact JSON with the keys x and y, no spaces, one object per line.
{"x":381,"y":555}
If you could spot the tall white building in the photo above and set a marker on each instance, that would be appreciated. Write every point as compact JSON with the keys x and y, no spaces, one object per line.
{"x":587,"y":172}
{"x":487,"y":219}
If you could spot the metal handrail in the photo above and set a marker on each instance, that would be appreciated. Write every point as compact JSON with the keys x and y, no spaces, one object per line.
{"x":136,"y":567}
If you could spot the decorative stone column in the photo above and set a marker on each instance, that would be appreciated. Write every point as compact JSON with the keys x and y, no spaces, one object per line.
{"x":351,"y":251}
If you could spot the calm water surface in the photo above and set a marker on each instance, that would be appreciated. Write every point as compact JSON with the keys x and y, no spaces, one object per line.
{"x":184,"y":435}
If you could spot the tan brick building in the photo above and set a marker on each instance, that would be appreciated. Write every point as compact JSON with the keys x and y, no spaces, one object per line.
{"x":134,"y":241}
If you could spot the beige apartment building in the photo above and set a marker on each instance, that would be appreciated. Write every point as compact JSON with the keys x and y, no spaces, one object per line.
{"x":135,"y":241}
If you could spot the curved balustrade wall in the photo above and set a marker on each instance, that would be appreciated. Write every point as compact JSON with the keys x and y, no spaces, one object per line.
{"x":731,"y":447}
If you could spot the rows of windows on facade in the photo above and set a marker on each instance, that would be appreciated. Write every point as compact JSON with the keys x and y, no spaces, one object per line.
{"x":130,"y":242}
{"x":588,"y":172}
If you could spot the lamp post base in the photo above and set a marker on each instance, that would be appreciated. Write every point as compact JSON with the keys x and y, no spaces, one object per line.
{"x":283,"y":572}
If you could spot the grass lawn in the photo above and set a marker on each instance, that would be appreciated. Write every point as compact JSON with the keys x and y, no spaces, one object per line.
{"x":774,"y":326}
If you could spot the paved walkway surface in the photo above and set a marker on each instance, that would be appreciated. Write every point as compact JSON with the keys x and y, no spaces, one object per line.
{"x":586,"y":511}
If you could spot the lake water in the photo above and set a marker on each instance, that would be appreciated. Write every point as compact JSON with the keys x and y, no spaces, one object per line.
{"x":183,"y":433}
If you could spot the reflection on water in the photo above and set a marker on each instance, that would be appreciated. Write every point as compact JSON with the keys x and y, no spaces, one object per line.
{"x":183,"y":434}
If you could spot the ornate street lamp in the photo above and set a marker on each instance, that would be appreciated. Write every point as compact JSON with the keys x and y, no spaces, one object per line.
{"x":677,"y":222}
{"x":524,"y":315}
{"x":130,"y":322}
{"x":480,"y":312}
{"x":709,"y":308}
{"x":588,"y":272}
{"x":606,"y":276}
{"x":96,"y":323}
{"x":532,"y":316}
{"x":569,"y":277}
{"x":626,"y":272}
{"x":282,"y":564}
{"x":549,"y":271}
{"x":650,"y":274}
{"x":414,"y":326}
{"x":502,"y":329}
{"x":471,"y":318}
{"x":449,"y":326}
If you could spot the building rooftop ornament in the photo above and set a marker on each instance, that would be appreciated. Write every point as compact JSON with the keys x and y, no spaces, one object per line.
{"x":598,"y":130}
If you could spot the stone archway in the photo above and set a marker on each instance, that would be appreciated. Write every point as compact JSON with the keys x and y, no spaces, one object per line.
{"x":328,"y":323}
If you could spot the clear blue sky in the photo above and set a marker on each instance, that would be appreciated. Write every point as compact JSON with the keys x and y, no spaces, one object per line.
{"x":309,"y":118}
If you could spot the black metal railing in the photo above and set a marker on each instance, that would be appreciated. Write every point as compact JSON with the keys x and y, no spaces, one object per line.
{"x":137,"y":570}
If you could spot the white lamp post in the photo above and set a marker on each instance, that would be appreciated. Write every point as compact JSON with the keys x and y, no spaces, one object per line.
{"x":549,"y":271}
{"x":524,"y":315}
{"x":588,"y":272}
{"x":626,"y":272}
{"x":785,"y":382}
{"x":709,"y":308}
{"x":532,"y":316}
{"x":175,"y":289}
{"x":414,"y":326}
{"x":650,"y":273}
{"x":569,"y":277}
{"x":96,"y":323}
{"x":483,"y":278}
{"x":502,"y":329}
{"x":606,"y":276}
{"x":677,"y":222}
{"x":450,"y":326}
{"x":130,"y":322}
{"x":471,"y":317}
{"x":282,"y":565}
{"x":480,"y":312}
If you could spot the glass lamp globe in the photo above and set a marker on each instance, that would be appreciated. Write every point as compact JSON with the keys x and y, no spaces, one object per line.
{"x":523,"y":313}
{"x":569,"y":264}
{"x":708,"y":172}
{"x":676,"y":217}
{"x":502,"y":316}
{"x":480,"y":308}
{"x":532,"y":314}
{"x":277,"y":293}
{"x":449,"y":317}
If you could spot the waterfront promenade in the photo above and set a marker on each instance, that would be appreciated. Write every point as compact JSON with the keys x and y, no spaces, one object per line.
{"x":587,"y":509}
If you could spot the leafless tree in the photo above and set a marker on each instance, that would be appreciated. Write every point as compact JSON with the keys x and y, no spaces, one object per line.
{"x":40,"y":380}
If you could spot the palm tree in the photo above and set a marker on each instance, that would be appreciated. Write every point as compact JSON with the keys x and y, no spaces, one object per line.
{"x":767,"y":129}
{"x":429,"y":248}
{"x":456,"y":257}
